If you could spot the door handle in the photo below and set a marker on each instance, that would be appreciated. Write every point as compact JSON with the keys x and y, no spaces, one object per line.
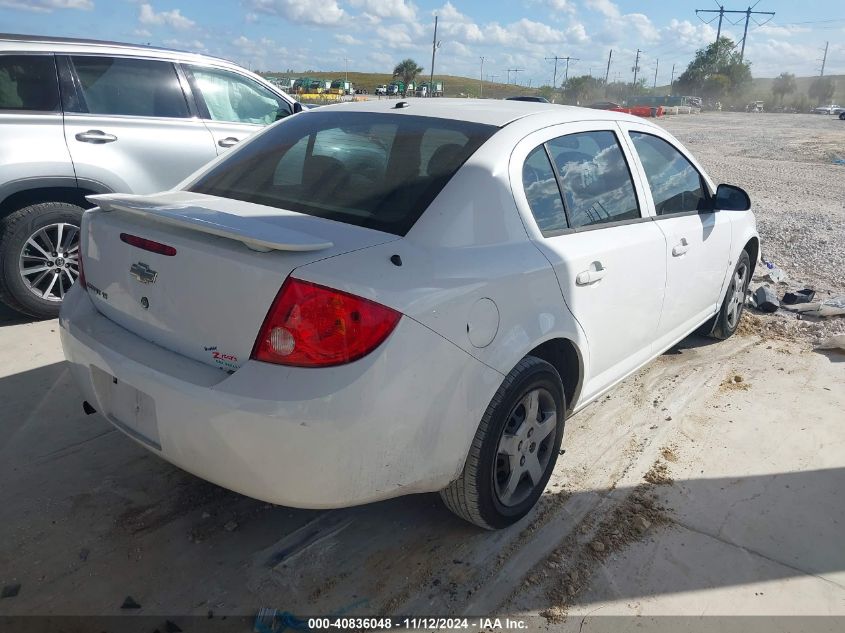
{"x":95,"y":136}
{"x":680,"y":248}
{"x":591,"y":275}
{"x":229,"y":141}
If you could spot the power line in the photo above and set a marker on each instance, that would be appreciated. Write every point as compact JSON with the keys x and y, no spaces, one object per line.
{"x":514,"y":71}
{"x":722,"y":11}
{"x":567,"y":59}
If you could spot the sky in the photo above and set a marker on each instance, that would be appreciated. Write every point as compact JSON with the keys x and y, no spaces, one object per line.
{"x":373,"y":35}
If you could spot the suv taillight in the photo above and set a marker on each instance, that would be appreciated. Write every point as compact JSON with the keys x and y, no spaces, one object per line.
{"x":313,"y":326}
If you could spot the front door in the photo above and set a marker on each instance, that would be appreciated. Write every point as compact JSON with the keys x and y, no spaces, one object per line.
{"x":609,"y":259}
{"x":128,"y":126}
{"x":698,"y":240}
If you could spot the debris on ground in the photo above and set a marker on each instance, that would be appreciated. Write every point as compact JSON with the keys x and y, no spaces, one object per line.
{"x":10,"y":591}
{"x":772,"y":273}
{"x":799,"y":296}
{"x":736,"y":382}
{"x":231,"y":526}
{"x":834,"y":342}
{"x":765,"y":299}
{"x":129,"y":603}
{"x":84,"y":553}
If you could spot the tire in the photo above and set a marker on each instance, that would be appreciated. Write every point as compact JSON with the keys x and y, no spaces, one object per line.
{"x":479,"y":494}
{"x":730,"y":314}
{"x":40,"y":222}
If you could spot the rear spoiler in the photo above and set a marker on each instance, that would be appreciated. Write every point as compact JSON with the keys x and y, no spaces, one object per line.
{"x":256,"y":234}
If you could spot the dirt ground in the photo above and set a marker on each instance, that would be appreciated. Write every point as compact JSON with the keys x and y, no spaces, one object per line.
{"x":710,"y":482}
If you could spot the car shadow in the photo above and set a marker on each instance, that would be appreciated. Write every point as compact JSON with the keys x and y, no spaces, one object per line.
{"x":9,"y":316}
{"x":114,"y":520}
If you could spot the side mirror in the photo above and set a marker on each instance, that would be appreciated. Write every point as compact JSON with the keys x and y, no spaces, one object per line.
{"x":731,"y":198}
{"x":297,"y":107}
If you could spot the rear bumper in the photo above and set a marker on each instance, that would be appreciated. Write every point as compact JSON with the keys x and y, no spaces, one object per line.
{"x":398,"y":421}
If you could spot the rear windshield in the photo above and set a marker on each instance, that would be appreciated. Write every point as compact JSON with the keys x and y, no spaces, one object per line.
{"x":376,"y":170}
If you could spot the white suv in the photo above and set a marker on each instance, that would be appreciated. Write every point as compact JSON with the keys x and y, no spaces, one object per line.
{"x":80,"y":117}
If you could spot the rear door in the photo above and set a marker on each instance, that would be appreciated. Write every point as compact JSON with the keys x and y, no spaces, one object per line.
{"x":128,"y":123}
{"x":232,"y":105}
{"x":608,"y":255}
{"x":698,"y":240}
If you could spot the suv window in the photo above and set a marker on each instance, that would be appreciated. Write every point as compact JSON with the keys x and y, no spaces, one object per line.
{"x":594,"y":177}
{"x":29,"y":82}
{"x":133,"y":87}
{"x":375,"y":170}
{"x":538,"y":180}
{"x":236,"y":99}
{"x":676,"y":185}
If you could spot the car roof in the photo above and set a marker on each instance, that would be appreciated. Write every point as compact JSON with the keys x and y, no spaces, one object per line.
{"x":486,"y":111}
{"x":40,"y":43}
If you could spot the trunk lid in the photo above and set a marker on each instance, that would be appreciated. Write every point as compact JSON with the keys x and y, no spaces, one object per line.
{"x":208,"y":301}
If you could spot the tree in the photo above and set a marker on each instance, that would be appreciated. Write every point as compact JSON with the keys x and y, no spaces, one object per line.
{"x":407,"y":70}
{"x":822,"y":90}
{"x":716,"y":71}
{"x":582,"y":88}
{"x":783,"y":85}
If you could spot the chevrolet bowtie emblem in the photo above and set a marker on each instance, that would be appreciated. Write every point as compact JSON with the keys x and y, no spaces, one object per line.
{"x":143,"y":273}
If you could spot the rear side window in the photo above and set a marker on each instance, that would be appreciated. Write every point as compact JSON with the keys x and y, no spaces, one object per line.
{"x":230,"y":97}
{"x":380,"y":171}
{"x":676,"y":185}
{"x":131,"y":87}
{"x":542,"y":191}
{"x":29,"y":82}
{"x":594,"y":178}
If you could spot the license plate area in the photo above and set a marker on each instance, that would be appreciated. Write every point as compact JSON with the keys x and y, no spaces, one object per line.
{"x":126,"y":407}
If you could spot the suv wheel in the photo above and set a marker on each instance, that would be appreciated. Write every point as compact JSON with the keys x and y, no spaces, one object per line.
{"x":39,"y":257}
{"x":514,"y":450}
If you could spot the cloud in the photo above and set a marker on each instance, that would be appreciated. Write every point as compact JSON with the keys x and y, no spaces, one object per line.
{"x":315,"y":12}
{"x":345,"y":38}
{"x":387,"y":9}
{"x":174,"y":18}
{"x":46,"y":6}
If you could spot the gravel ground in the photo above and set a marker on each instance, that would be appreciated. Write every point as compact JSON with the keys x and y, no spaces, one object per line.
{"x":785,"y":162}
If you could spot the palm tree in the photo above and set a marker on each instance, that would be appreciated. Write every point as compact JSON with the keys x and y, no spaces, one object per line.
{"x":407,"y":69}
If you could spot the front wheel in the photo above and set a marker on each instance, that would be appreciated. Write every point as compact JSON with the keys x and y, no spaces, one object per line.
{"x":39,"y":257}
{"x":727,"y":320}
{"x":514,"y":450}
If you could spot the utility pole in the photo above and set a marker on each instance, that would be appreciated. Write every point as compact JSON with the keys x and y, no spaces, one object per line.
{"x":636,"y":68}
{"x":824,"y":59}
{"x":481,"y":83}
{"x":656,"y":66}
{"x":514,"y":71}
{"x":607,"y":72}
{"x":433,"y":51}
{"x":748,"y":13}
{"x":672,"y":81}
{"x":492,"y":78}
{"x":346,"y":61}
{"x":557,"y":58}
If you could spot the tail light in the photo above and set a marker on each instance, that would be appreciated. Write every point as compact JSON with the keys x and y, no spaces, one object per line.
{"x":313,"y":326}
{"x":148,"y":245}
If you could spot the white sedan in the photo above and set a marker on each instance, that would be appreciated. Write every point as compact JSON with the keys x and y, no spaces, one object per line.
{"x":384,"y":298}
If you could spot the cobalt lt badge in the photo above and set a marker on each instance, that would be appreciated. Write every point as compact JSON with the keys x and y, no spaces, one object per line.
{"x":143,"y":273}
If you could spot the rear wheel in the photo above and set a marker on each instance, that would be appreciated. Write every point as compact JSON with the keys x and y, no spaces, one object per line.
{"x":514,"y":450}
{"x":39,"y":257}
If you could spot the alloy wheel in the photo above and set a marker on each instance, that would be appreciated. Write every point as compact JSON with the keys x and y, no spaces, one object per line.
{"x":525,"y":447}
{"x":49,"y":261}
{"x":738,"y":291}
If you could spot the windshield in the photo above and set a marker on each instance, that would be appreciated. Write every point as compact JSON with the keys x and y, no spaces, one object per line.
{"x":375,"y":170}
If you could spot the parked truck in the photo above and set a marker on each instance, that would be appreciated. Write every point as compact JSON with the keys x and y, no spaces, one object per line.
{"x":430,"y":89}
{"x":341,"y":87}
{"x":396,"y":88}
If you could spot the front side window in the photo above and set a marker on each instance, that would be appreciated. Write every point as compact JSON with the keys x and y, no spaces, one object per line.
{"x":129,"y":87}
{"x":542,"y":191}
{"x":235,"y":99}
{"x":676,"y":185}
{"x":28,"y":82}
{"x":594,"y":177}
{"x":375,"y":170}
